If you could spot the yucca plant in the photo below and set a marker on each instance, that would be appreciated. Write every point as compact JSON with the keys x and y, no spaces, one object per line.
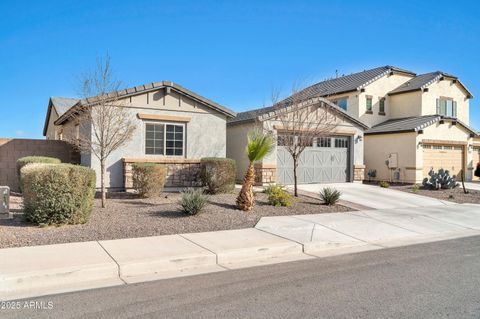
{"x":329,"y":196}
{"x":259,"y":145}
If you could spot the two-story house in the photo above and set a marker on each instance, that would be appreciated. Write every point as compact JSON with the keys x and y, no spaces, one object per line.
{"x":416,"y":123}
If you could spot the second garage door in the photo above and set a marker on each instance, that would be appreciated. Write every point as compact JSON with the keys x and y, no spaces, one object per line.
{"x":448,"y":157}
{"x":326,"y":161}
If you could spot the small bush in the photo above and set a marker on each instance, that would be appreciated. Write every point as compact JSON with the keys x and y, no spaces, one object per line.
{"x":384,"y":184}
{"x":278,"y":196}
{"x":193,"y":201}
{"x":148,"y":178}
{"x":57,"y":193}
{"x":329,"y":196}
{"x":415,"y":188}
{"x":218,"y":174}
{"x":21,"y":162}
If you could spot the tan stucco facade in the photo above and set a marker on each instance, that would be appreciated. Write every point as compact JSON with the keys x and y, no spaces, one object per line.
{"x":409,"y":148}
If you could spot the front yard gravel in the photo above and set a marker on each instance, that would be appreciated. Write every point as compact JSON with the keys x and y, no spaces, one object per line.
{"x":128,"y":216}
{"x":455,"y":195}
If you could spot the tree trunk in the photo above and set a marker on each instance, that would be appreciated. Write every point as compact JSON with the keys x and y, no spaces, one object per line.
{"x":245,"y":200}
{"x":103,"y":174}
{"x":295,"y":182}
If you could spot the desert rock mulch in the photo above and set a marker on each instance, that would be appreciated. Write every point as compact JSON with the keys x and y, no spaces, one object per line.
{"x":128,"y":216}
{"x":453,"y":195}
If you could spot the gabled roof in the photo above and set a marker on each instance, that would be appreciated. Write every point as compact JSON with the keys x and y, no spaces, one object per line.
{"x":61,"y":106}
{"x":423,"y":81}
{"x":266,"y":113}
{"x":144,"y":89}
{"x":412,"y":124}
{"x":349,"y":83}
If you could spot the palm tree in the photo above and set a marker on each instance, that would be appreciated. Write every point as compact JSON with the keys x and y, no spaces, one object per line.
{"x":259,"y":145}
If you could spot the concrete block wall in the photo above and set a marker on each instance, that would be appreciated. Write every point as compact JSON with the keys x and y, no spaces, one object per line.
{"x":13,"y":149}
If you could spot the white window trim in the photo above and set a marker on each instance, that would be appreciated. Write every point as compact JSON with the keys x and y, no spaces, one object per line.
{"x":144,"y":148}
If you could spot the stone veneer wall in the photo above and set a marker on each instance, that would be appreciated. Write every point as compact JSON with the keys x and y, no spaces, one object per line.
{"x":265,"y":174}
{"x":358,"y":172}
{"x":11,"y":149}
{"x":180,"y":172}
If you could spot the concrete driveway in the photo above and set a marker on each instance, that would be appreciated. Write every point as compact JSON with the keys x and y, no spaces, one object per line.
{"x":336,"y":233}
{"x":473,"y":185}
{"x":375,"y":197}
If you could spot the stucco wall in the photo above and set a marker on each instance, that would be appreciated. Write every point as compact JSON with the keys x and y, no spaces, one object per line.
{"x":378,"y":90}
{"x":205,"y":132}
{"x":379,"y":147}
{"x":446,"y":88}
{"x":406,"y":104}
{"x":236,"y":143}
{"x":50,"y":134}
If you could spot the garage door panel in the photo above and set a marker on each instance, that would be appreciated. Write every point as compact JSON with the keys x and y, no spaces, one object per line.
{"x":316,"y":164}
{"x":445,"y":157}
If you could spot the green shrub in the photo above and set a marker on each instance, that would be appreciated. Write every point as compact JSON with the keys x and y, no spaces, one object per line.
{"x":384,"y":184}
{"x":278,"y":196}
{"x":193,"y":201}
{"x":415,"y":188}
{"x":21,"y":162}
{"x":329,"y":196}
{"x":57,"y":193}
{"x":218,"y":174}
{"x":148,"y":178}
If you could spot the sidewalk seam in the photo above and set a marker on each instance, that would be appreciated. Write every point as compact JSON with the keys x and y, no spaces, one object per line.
{"x":118,"y":265}
{"x":196,"y":244}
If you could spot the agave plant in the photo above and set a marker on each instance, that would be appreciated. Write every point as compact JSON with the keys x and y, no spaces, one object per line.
{"x":259,"y":145}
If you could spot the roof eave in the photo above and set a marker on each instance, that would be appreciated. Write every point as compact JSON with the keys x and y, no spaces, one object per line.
{"x":391,"y":132}
{"x":406,"y":91}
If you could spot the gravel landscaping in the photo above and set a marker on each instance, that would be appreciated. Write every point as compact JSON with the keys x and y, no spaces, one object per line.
{"x":453,"y":195}
{"x":129,"y":216}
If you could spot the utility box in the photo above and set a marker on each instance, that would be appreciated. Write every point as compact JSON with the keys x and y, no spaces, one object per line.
{"x":5,"y":202}
{"x":393,"y":160}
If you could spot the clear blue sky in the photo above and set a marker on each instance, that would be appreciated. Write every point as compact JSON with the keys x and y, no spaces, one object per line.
{"x":234,"y":53}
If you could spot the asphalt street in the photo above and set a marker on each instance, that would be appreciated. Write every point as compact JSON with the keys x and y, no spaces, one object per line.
{"x":436,"y":280}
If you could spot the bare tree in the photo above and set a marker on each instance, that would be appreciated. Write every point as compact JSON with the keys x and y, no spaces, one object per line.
{"x":300,"y":121}
{"x":104,"y":124}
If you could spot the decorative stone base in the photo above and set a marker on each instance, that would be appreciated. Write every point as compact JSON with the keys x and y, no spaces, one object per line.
{"x":358,"y":172}
{"x":180,"y":172}
{"x":265,"y":174}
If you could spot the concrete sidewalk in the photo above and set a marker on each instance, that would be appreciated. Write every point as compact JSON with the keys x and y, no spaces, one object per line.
{"x":41,"y":270}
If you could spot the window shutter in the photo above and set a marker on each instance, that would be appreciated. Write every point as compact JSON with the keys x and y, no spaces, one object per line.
{"x":454,"y":108}
{"x":438,"y":106}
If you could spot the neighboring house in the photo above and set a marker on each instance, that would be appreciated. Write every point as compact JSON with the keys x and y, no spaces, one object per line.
{"x":337,"y":158}
{"x":175,"y":126}
{"x":418,"y":122}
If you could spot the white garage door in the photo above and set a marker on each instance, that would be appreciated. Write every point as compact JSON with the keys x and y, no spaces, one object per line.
{"x":326,"y":161}
{"x":448,"y":157}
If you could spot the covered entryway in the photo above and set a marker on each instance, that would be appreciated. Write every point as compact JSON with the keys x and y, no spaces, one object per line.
{"x":326,"y":161}
{"x":448,"y":157}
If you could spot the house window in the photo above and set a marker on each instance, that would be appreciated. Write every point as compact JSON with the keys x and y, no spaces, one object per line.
{"x":446,"y":107}
{"x":164,"y":139}
{"x":437,"y":147}
{"x":381,"y":105}
{"x":324,"y":142}
{"x":369,"y":104}
{"x":341,"y":142}
{"x":77,"y":131}
{"x":341,"y":103}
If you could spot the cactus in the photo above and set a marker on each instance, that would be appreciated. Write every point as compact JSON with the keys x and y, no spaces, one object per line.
{"x":439,"y":180}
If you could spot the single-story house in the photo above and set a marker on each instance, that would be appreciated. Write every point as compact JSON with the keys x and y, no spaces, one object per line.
{"x":337,"y":157}
{"x":175,"y":127}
